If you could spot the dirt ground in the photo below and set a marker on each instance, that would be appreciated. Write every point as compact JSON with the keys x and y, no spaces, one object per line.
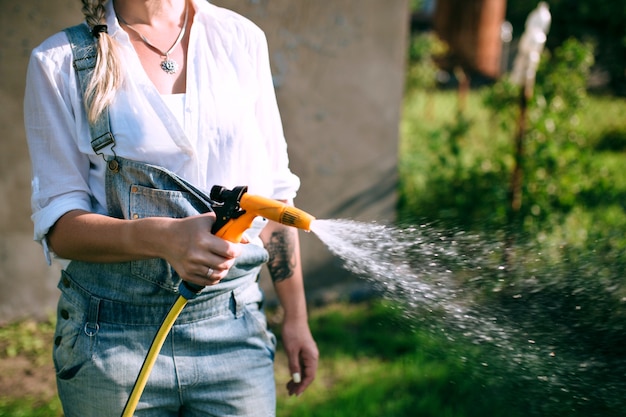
{"x":24,"y":377}
{"x":26,"y":368}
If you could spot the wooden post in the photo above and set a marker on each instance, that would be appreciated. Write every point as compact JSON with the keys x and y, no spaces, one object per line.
{"x":515,"y":186}
{"x":524,"y":70}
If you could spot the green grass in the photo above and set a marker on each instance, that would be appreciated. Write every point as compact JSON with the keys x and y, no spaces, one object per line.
{"x":604,"y":116}
{"x":375,"y":363}
{"x":426,"y":113}
{"x":30,"y":407}
{"x":26,"y":338}
{"x":32,"y":341}
{"x":456,"y":167}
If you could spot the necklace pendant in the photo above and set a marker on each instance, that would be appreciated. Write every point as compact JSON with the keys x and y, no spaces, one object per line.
{"x":169,"y":65}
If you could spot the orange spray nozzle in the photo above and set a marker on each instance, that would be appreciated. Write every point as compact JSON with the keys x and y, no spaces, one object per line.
{"x":236,"y":210}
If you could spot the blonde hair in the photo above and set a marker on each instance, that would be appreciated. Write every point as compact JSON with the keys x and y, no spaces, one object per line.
{"x":107,"y":75}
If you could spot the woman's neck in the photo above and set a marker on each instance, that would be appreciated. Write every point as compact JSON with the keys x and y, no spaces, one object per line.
{"x":159,"y":32}
{"x":155,"y":13}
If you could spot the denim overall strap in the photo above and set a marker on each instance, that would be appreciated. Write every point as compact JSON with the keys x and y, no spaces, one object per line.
{"x":84,"y":51}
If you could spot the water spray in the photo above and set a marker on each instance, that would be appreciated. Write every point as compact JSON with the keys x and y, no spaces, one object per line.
{"x":235,"y":211}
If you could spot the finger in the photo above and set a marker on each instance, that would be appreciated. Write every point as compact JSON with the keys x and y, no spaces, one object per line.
{"x":212,"y":265}
{"x":303,"y":372}
{"x":213,"y":277}
{"x":296,"y":377}
{"x":298,"y":384}
{"x":206,"y":276}
{"x":293,"y":358}
{"x":293,"y":386}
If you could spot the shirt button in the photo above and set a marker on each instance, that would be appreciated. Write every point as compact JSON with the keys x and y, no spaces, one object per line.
{"x":134,"y":189}
{"x":58,"y":339}
{"x":65,"y":314}
{"x":135,"y":216}
{"x":66,"y":282}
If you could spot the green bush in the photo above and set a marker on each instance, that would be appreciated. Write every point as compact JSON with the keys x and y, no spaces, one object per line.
{"x":554,"y":162}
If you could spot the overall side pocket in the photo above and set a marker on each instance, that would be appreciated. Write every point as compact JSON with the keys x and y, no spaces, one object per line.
{"x":72,"y":347}
{"x":257,"y":326}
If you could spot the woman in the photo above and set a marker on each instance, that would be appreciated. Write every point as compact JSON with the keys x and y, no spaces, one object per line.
{"x":188,"y":92}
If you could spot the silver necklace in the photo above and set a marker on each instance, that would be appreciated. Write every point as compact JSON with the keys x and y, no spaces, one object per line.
{"x":168,"y":65}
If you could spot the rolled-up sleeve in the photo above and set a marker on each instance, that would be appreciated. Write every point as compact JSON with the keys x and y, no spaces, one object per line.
{"x":60,"y":171}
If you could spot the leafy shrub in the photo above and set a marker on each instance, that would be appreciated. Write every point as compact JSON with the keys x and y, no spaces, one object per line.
{"x":555,"y":163}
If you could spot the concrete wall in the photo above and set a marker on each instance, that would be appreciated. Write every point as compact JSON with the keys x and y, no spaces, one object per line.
{"x":339,"y":71}
{"x":27,"y":284}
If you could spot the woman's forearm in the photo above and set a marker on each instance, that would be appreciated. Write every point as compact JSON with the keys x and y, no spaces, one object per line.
{"x":285,"y":268}
{"x":186,"y":243}
{"x":85,"y":236}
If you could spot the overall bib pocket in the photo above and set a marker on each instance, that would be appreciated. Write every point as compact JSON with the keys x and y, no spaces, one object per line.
{"x":151,"y":202}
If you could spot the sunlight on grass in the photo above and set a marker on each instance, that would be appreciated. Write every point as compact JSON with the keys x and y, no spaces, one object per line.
{"x":29,"y":338}
{"x":375,"y":363}
{"x":603,"y":114}
{"x":29,"y":407}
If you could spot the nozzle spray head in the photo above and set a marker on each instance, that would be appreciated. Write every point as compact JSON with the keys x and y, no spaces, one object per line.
{"x":276,"y":211}
{"x":294,"y":217}
{"x":236,"y":209}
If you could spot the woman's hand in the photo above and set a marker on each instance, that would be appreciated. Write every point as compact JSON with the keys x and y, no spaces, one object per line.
{"x":195,"y":253}
{"x":302,"y":355}
{"x":187,"y":244}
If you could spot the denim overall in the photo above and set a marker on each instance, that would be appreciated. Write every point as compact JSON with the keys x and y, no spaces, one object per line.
{"x":218,"y":357}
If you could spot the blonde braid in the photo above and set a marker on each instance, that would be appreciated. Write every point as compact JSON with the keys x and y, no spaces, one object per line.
{"x":107,"y":76}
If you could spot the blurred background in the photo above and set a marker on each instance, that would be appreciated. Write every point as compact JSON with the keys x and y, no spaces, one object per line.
{"x":494,"y":128}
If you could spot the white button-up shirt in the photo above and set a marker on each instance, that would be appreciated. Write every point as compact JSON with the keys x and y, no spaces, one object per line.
{"x":231,"y":132}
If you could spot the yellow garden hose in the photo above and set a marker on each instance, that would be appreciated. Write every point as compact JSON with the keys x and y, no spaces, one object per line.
{"x":151,"y":357}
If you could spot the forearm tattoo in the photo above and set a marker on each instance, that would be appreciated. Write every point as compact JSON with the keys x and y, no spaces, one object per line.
{"x":282,"y":262}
